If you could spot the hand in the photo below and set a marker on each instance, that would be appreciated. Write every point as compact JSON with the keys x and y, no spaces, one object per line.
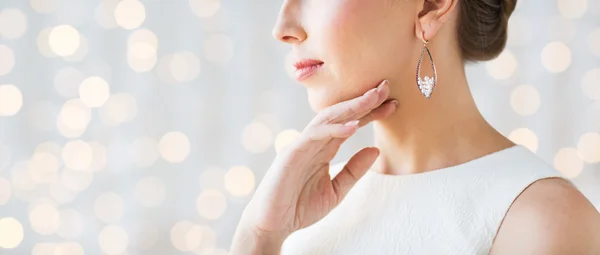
{"x":297,"y":190}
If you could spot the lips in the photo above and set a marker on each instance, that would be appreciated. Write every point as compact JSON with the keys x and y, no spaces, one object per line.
{"x":306,"y":68}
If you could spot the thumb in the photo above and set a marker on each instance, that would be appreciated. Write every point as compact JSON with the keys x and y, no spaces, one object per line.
{"x":356,"y":167}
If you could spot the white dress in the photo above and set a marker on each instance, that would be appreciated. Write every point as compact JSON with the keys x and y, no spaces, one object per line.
{"x":454,"y":210}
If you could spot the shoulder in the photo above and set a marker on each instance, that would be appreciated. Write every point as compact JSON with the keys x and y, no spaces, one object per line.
{"x":550,"y":216}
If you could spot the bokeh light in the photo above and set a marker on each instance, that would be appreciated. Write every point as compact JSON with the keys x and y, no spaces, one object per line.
{"x":64,"y":40}
{"x":11,"y":100}
{"x":109,"y":207}
{"x":525,"y":100}
{"x":556,"y":57}
{"x":80,"y":170}
{"x":589,"y":147}
{"x":77,"y":155}
{"x":44,"y":249}
{"x":503,"y":67}
{"x":45,"y":6}
{"x":42,"y":43}
{"x":100,"y":156}
{"x":211,"y":204}
{"x":525,"y":137}
{"x":81,"y":51}
{"x":257,"y":137}
{"x":105,"y":14}
{"x":184,"y":66}
{"x":44,"y":219}
{"x":179,"y":234}
{"x":239,"y":181}
{"x":113,"y":240}
{"x":270,"y":120}
{"x":74,"y":115}
{"x":7,"y":60}
{"x":94,"y":91}
{"x":218,"y":22}
{"x":142,"y":46}
{"x":205,"y":8}
{"x":569,"y":162}
{"x":118,"y":109}
{"x":43,"y":167}
{"x":130,"y":14}
{"x":285,"y":138}
{"x":69,"y":248}
{"x":13,"y":23}
{"x":208,"y":241}
{"x":69,"y":132}
{"x":49,"y":147}
{"x":194,"y":237}
{"x":150,"y":191}
{"x":174,"y":147}
{"x":11,"y":233}
{"x":143,"y":35}
{"x":218,"y":49}
{"x":141,"y":57}
{"x":572,"y":9}
{"x":178,"y":67}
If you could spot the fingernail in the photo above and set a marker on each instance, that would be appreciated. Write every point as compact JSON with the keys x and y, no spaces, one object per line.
{"x":352,"y":123}
{"x":371,"y":90}
{"x":395,"y":102}
{"x":380,"y":87}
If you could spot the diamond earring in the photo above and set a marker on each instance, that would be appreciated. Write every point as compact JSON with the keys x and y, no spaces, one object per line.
{"x":426,"y":84}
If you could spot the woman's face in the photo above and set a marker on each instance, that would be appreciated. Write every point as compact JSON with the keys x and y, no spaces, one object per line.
{"x":359,"y":42}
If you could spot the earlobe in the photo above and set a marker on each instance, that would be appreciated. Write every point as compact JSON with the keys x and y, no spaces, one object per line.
{"x":426,"y":29}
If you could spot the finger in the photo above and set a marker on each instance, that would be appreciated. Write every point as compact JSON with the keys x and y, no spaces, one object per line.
{"x":379,"y":113}
{"x":342,"y":111}
{"x":316,"y":136}
{"x":383,"y":99}
{"x":355,"y":169}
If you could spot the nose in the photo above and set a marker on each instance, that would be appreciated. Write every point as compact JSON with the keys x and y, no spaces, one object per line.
{"x":288,"y":28}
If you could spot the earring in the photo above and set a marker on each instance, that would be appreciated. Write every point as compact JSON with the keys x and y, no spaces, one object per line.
{"x":426,"y":84}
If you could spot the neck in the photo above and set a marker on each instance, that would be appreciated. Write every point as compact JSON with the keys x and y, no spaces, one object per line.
{"x":429,"y":134}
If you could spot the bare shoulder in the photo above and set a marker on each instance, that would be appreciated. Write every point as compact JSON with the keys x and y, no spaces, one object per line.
{"x":551,"y":216}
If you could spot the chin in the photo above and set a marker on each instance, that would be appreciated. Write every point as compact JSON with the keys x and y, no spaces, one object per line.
{"x":319,"y":100}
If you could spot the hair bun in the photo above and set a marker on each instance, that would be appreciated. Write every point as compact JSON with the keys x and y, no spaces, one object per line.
{"x":482,"y":28}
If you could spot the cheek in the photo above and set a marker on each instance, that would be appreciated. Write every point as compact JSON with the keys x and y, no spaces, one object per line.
{"x":362,"y":42}
{"x":349,"y":36}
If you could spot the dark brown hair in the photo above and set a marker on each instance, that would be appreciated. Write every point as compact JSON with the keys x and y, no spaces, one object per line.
{"x":482,"y":28}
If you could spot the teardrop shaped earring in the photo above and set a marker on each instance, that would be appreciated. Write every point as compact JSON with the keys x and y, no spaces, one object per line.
{"x":426,"y":84}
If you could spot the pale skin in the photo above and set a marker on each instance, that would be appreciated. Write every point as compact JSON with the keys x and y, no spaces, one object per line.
{"x":362,"y":43}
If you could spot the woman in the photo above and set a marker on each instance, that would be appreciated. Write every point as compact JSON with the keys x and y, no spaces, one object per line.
{"x":441,"y":180}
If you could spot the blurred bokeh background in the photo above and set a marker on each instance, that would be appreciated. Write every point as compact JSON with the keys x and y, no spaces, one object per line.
{"x":144,"y":126}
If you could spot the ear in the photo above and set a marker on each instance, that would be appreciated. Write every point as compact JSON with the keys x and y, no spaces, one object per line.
{"x":432,"y":14}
